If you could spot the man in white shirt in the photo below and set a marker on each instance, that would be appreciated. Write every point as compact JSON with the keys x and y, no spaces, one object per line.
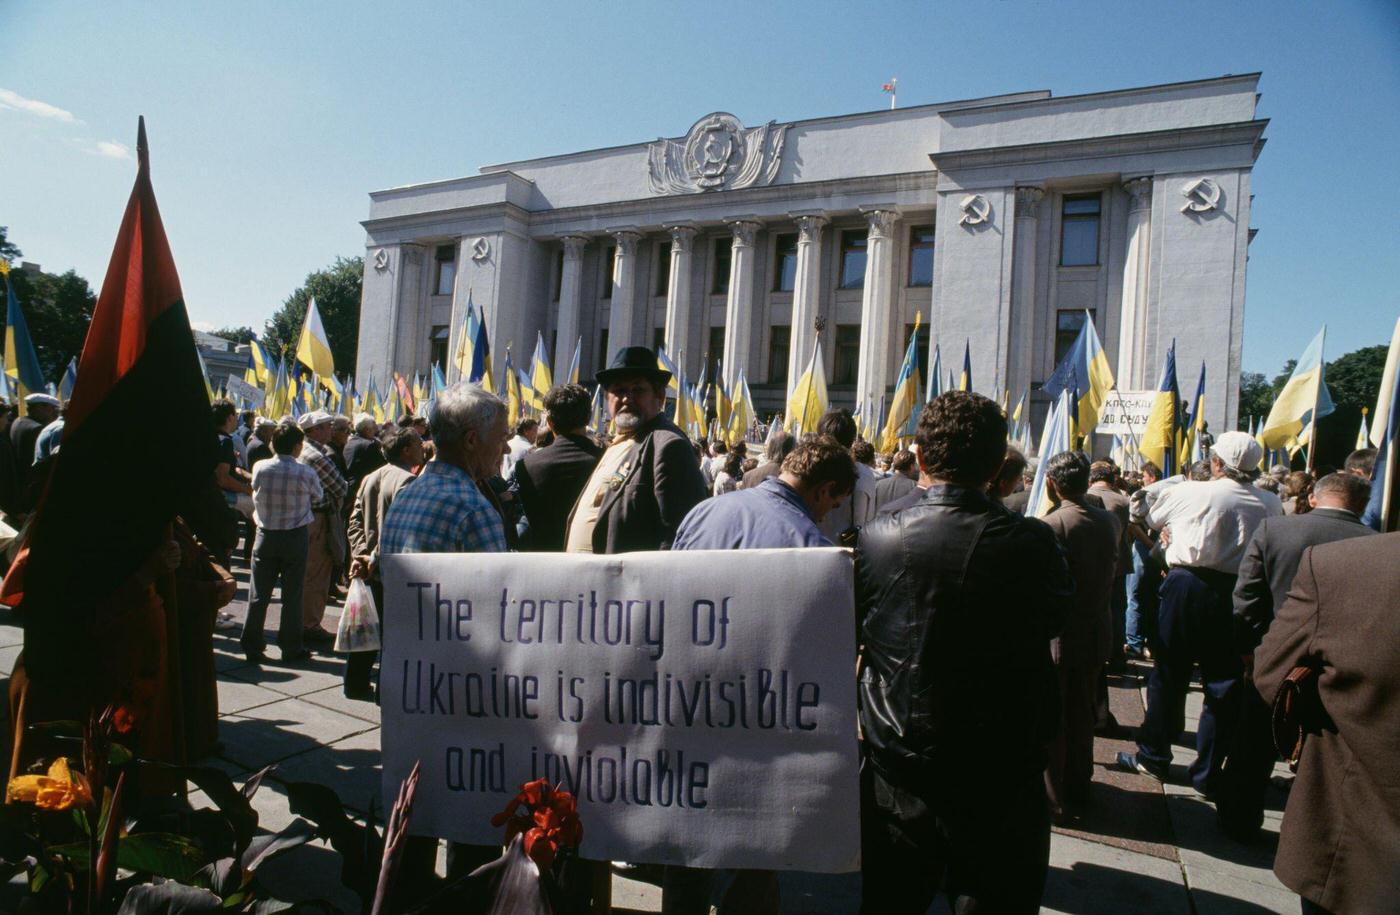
{"x":1205,"y":527}
{"x":526,"y":431}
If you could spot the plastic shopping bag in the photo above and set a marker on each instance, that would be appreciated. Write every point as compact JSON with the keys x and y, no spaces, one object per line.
{"x":359,"y":621}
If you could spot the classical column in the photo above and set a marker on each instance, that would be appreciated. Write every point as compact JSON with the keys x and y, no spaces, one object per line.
{"x":678,"y":317}
{"x":622,"y":315}
{"x":876,"y":310}
{"x":570,"y":302}
{"x":738,"y":306}
{"x":806,"y":290}
{"x":1132,"y":316}
{"x":1020,"y":357}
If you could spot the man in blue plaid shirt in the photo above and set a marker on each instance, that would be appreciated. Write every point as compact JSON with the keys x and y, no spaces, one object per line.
{"x":444,"y":511}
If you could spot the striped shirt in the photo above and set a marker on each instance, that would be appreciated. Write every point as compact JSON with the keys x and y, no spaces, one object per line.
{"x":333,"y":485}
{"x":284,"y":490}
{"x":442,"y":512}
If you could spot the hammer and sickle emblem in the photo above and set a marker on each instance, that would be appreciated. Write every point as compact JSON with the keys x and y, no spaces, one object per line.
{"x":481,"y":249}
{"x":975,"y":210}
{"x":381,"y":260}
{"x":1202,"y":196}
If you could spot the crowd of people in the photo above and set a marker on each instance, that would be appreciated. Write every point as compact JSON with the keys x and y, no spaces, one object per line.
{"x":986,"y":636}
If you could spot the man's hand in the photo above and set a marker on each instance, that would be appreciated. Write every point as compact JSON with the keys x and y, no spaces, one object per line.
{"x":1055,"y":652}
{"x":359,"y":566}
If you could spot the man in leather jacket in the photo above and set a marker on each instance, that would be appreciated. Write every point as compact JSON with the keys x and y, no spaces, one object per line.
{"x":959,"y":599}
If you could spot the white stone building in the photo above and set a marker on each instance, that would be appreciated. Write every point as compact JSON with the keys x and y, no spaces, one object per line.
{"x":1000,"y":220}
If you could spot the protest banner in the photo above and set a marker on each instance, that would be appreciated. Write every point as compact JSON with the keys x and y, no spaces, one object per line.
{"x":252,"y":397}
{"x":699,"y":705}
{"x":1125,"y":412}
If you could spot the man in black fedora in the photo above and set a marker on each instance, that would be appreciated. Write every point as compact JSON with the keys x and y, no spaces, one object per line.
{"x":649,"y":478}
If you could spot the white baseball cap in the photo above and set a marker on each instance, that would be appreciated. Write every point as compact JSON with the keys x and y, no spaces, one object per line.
{"x":1238,"y":450}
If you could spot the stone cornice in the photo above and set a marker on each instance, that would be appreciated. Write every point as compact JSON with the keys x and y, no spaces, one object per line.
{"x":1215,"y":135}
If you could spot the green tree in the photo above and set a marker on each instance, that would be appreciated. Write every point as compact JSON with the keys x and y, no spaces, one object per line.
{"x":337,"y":292}
{"x":8,"y":250}
{"x":235,"y":334}
{"x":57,"y":309}
{"x":1352,"y":379}
{"x":1256,"y":395}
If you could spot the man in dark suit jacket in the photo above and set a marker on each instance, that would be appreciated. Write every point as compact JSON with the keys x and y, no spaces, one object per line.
{"x":649,"y":478}
{"x":1090,"y":537}
{"x":1341,"y":829}
{"x":550,"y":478}
{"x":1266,"y":572}
{"x":903,"y":472}
{"x":363,"y":453}
{"x":778,"y":447}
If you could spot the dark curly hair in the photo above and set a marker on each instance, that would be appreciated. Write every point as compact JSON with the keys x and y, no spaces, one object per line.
{"x":962,"y":438}
{"x":819,"y":459}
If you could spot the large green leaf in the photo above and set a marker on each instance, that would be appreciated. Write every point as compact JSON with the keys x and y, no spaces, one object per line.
{"x":161,"y":853}
{"x":264,"y":848}
{"x":169,"y":898}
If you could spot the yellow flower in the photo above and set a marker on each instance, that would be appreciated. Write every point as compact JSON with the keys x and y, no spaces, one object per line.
{"x":58,"y":790}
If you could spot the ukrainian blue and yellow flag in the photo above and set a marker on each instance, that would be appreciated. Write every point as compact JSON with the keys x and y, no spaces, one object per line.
{"x":512,"y":390}
{"x":935,"y":376}
{"x":723,"y":403}
{"x":1196,"y":420}
{"x":1087,"y":363}
{"x":260,"y":368}
{"x":541,"y":375}
{"x":904,"y":408}
{"x":374,"y":403}
{"x":965,"y":379}
{"x":1159,"y":438}
{"x":598,"y":414}
{"x":572,"y":376}
{"x":473,"y":360}
{"x":808,"y":401}
{"x":1383,"y":511}
{"x":1017,"y":416}
{"x":1293,"y":408}
{"x":314,"y":349}
{"x":439,"y":383}
{"x":70,"y":378}
{"x":21,"y":361}
{"x":742,"y":415}
{"x":664,"y":363}
{"x":1056,"y":438}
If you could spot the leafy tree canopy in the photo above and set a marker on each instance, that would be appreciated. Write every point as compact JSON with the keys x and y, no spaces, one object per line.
{"x":337,"y":292}
{"x":57,"y":309}
{"x":235,"y":334}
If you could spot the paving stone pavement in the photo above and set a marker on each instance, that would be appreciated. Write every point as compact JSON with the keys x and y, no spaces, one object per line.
{"x":1142,"y":848}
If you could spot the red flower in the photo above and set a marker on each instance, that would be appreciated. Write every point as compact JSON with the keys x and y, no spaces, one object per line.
{"x":550,"y":820}
{"x":123,"y":719}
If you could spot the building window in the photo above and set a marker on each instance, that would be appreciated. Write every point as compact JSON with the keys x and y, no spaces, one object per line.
{"x":715,"y":354}
{"x":779,"y":341}
{"x":558,"y":274}
{"x":853,"y":251}
{"x":785,"y":262}
{"x":921,"y":256}
{"x":663,"y":268}
{"x":602,"y":349}
{"x":724,"y":251}
{"x":1079,"y":231}
{"x":437,"y":352}
{"x":847,"y":354}
{"x":446,"y":269}
{"x":1068,"y":324}
{"x":609,"y":256}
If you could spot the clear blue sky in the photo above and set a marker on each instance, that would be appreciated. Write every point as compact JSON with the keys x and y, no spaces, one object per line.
{"x":270,"y":122}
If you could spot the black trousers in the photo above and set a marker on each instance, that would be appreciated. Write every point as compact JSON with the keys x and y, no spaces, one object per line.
{"x":1250,"y":765}
{"x":1195,"y":626}
{"x":982,"y":838}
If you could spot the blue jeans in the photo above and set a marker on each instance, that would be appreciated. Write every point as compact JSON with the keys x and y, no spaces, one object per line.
{"x":1134,"y":631}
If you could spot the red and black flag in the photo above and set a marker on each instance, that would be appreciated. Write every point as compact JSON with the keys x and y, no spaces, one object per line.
{"x":138,"y":447}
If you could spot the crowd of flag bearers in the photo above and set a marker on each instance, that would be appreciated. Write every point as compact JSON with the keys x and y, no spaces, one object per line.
{"x":93,"y":566}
